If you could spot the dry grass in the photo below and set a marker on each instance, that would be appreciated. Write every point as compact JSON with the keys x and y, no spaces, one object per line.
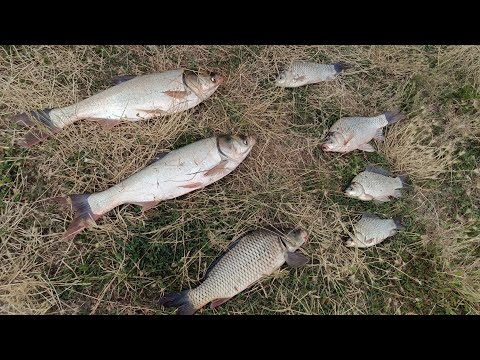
{"x":128,"y":260}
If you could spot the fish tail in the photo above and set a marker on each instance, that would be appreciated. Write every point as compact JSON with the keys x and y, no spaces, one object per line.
{"x":180,"y":301}
{"x":340,"y":66}
{"x":403,"y":178}
{"x":39,"y":119}
{"x":394,"y":116}
{"x":398,"y":224}
{"x":83,"y":215}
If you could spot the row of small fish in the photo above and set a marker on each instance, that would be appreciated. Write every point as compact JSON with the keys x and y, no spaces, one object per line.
{"x":134,"y":98}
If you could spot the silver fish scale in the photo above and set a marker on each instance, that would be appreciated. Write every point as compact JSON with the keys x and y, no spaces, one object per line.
{"x":255,"y":255}
{"x":347,"y":125}
{"x":372,"y":227}
{"x":313,"y":71}
{"x":377,"y":184}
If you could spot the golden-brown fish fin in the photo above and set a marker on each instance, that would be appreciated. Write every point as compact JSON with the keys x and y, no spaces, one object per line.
{"x":176,"y":94}
{"x":216,"y":169}
{"x":217,"y":302}
{"x":296,"y":259}
{"x":192,"y":185}
{"x":106,"y":124}
{"x":147,"y":205}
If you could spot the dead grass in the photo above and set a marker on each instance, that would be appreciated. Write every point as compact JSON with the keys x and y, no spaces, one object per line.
{"x":128,"y":260}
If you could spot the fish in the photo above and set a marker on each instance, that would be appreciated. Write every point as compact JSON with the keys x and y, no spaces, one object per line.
{"x":132,"y":98}
{"x":376,"y":184}
{"x":352,"y":133}
{"x":170,"y":175}
{"x":301,"y":73}
{"x":249,"y":259}
{"x":371,"y":230}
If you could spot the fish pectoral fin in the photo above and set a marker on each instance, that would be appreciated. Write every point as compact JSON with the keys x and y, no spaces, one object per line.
{"x":194,"y":185}
{"x":347,"y":140}
{"x":381,"y":199}
{"x":147,"y":205}
{"x":216,"y":169}
{"x":217,"y":302}
{"x":296,"y":259}
{"x":176,"y":94}
{"x":366,"y":147}
{"x":122,"y":78}
{"x":379,"y":135}
{"x":106,"y":124}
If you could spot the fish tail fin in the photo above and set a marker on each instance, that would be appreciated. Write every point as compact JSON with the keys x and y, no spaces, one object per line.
{"x":180,"y":301}
{"x":83,"y":215}
{"x":403,"y":179}
{"x":39,"y":119}
{"x":398,"y":224}
{"x":340,"y":66}
{"x":394,"y":116}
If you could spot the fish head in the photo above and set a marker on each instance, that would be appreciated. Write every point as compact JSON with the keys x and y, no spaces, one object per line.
{"x":355,"y":190}
{"x":203,"y":83}
{"x":284,"y":78}
{"x":295,"y":238}
{"x":235,"y":147}
{"x":349,"y":243}
{"x":333,"y":142}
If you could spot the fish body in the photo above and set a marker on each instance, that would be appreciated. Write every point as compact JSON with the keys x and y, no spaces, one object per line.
{"x":134,"y":98}
{"x":375,"y":184}
{"x":249,"y":259}
{"x":352,"y":133}
{"x":301,"y":73}
{"x":371,"y":230}
{"x":174,"y":174}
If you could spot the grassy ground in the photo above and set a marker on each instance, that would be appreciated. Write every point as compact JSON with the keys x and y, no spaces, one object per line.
{"x":123,"y":265}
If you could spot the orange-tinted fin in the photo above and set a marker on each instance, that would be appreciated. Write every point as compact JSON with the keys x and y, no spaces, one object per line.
{"x":176,"y":94}
{"x":31,"y":138}
{"x":217,"y":302}
{"x":216,"y":169}
{"x":192,"y":185}
{"x":83,"y":215}
{"x":147,"y":205}
{"x":106,"y":124}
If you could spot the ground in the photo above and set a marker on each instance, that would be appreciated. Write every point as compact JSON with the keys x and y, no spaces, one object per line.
{"x":125,"y":263}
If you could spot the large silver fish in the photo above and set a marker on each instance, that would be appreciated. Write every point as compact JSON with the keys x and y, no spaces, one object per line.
{"x":375,"y":184}
{"x":133,"y":98}
{"x":301,"y":73}
{"x":351,"y":133}
{"x":173,"y":174}
{"x":247,"y":260}
{"x":371,"y":230}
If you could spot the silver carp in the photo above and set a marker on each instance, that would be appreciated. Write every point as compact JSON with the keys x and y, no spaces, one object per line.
{"x":171,"y":175}
{"x":133,"y":98}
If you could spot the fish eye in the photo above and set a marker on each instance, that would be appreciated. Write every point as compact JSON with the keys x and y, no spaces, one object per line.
{"x":245,"y":142}
{"x":212,"y":79}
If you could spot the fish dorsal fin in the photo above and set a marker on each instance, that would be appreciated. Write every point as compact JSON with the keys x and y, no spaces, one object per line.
{"x":229,"y":247}
{"x":370,"y":216}
{"x":157,"y":157}
{"x":377,"y":170}
{"x":122,"y":78}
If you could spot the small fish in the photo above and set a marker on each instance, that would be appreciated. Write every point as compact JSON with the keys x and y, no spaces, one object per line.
{"x":132,"y":98}
{"x":371,"y":230}
{"x":301,"y":73}
{"x":249,"y":259}
{"x":375,"y":184}
{"x":171,"y":175}
{"x":352,"y":133}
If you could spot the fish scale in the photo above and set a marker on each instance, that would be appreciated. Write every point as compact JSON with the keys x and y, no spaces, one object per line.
{"x":371,"y":230}
{"x":253,"y":257}
{"x":312,"y":71}
{"x":377,"y":185}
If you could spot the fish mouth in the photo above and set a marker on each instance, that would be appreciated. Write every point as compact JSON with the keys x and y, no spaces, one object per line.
{"x":219,"y":79}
